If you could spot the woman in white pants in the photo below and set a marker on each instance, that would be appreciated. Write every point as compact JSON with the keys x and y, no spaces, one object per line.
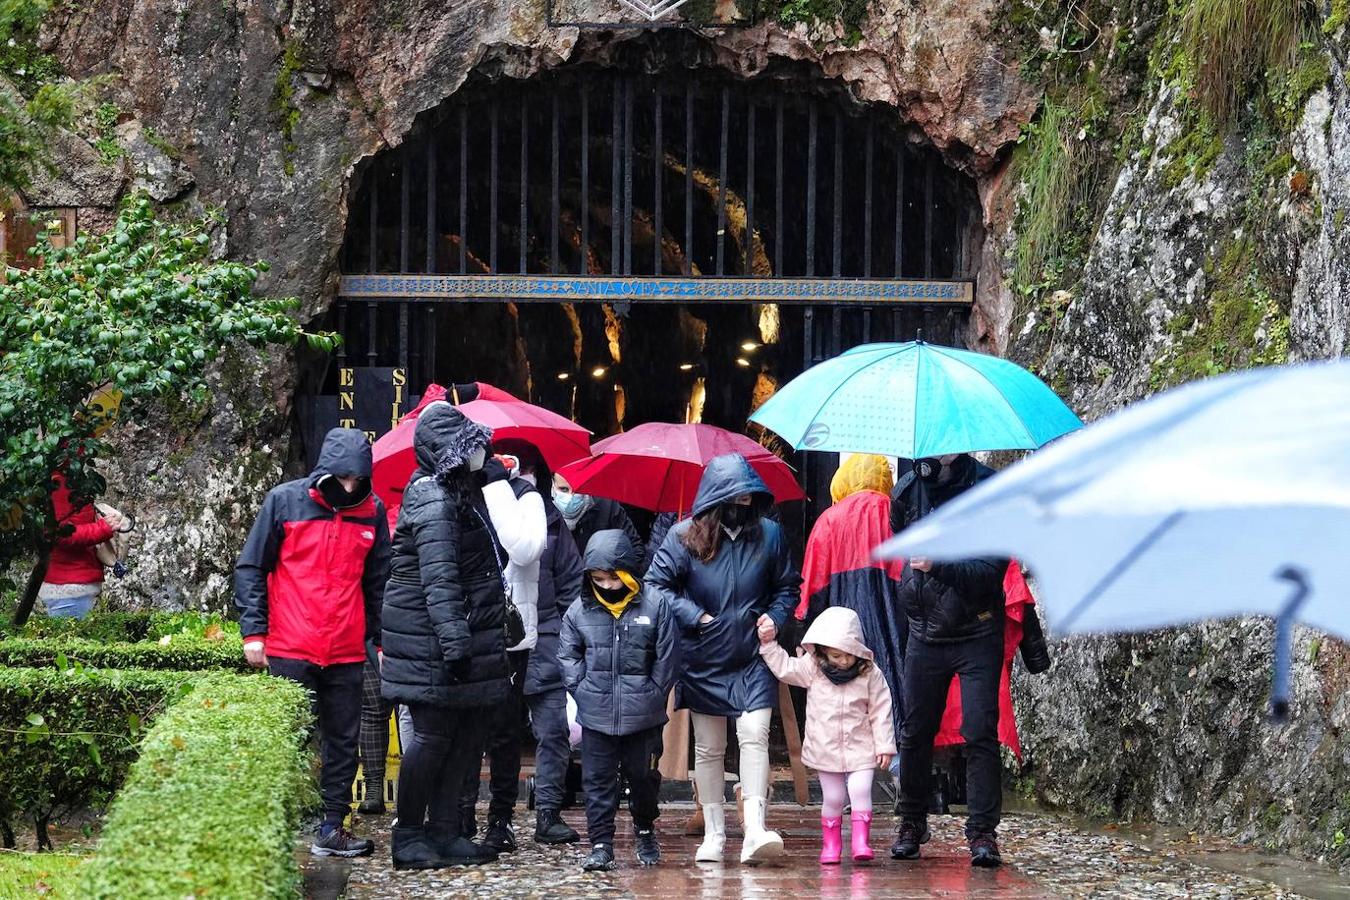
{"x":722,"y":572}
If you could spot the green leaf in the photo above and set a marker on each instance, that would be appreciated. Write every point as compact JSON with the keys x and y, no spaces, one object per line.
{"x":34,"y":719}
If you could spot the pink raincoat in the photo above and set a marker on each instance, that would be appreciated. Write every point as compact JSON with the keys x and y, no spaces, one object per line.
{"x":847,"y":725}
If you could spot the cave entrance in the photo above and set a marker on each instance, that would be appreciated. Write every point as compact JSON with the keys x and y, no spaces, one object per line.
{"x":624,"y":245}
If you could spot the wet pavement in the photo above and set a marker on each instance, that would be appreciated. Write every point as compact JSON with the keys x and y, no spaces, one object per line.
{"x":1045,"y":857}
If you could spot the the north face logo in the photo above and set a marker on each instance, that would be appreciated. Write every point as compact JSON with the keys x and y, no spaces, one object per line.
{"x":368,"y":535}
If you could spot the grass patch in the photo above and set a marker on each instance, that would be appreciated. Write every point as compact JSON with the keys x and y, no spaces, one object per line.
{"x":1047,"y":164}
{"x":54,"y":875}
{"x":212,"y":805}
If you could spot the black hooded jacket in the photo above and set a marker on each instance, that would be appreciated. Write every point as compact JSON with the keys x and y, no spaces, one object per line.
{"x":620,"y":670}
{"x":955,"y":601}
{"x":445,"y":606}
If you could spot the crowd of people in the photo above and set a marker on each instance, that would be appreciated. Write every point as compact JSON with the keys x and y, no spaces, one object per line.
{"x":503,"y":595}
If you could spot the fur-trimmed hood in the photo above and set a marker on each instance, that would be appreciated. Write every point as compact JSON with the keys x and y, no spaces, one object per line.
{"x":445,"y":438}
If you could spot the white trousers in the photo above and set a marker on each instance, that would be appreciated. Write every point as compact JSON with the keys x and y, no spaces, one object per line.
{"x":710,"y":751}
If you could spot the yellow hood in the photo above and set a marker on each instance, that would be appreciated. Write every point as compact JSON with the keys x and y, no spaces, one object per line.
{"x":862,"y":472}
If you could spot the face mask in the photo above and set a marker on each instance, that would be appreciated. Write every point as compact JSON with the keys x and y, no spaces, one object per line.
{"x":477,"y":458}
{"x":737,"y":515}
{"x":610,"y":595}
{"x":338,"y":497}
{"x":569,"y":504}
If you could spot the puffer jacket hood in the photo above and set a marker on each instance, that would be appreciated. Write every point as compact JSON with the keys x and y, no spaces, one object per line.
{"x":726,"y":478}
{"x":861,"y":472}
{"x":840,"y":628}
{"x":346,"y":452}
{"x":612,"y":550}
{"x":445,"y":438}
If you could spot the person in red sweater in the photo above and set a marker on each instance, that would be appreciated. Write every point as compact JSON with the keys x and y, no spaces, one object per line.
{"x":309,"y":585}
{"x":74,"y":576}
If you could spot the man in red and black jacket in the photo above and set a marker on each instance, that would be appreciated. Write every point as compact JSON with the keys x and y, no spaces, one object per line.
{"x":309,"y":586}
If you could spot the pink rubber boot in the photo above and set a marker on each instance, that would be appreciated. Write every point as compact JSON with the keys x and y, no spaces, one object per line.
{"x":831,"y":840}
{"x":862,"y":836}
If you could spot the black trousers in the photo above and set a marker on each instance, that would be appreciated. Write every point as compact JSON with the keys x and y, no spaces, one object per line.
{"x":374,"y":744}
{"x":929,"y":668}
{"x":446,"y":743}
{"x":606,"y":757}
{"x":501,"y":745}
{"x":335,"y":698}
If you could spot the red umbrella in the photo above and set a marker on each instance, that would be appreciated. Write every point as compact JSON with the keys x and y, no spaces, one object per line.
{"x":657,"y":466}
{"x":560,"y":440}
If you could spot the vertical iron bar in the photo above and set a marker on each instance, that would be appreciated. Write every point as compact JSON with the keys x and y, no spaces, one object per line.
{"x":811,"y":129}
{"x":837,"y":235}
{"x":722,"y":184}
{"x":628,"y":176}
{"x":371,"y":325}
{"x":899,"y":213}
{"x":689,"y":178}
{"x":403,"y":336}
{"x":615,"y":161}
{"x":585,"y":211}
{"x":404,"y":208}
{"x":372,"y":255}
{"x":867,"y":325}
{"x":808,"y":337}
{"x":429,"y":344}
{"x":555,"y":212}
{"x":867,"y":213}
{"x":524,"y":185}
{"x":342,"y":332}
{"x":748,"y":267}
{"x":493,"y":165}
{"x":778,"y":189}
{"x":928,"y":218}
{"x":463,"y":189}
{"x":658,"y":175}
{"x":433,"y":202}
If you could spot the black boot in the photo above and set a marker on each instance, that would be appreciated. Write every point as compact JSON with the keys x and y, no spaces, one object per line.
{"x":648,"y":848}
{"x":459,"y":850}
{"x":373,"y":804}
{"x":908,"y":837}
{"x":549,"y":828}
{"x":500,"y":835}
{"x":601,"y":859}
{"x":984,"y":850}
{"x":413,"y":849}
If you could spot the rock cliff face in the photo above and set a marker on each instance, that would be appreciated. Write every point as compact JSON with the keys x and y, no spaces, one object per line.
{"x":1182,"y":249}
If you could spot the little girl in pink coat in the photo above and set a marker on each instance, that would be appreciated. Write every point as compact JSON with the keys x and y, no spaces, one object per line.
{"x":848,"y":721}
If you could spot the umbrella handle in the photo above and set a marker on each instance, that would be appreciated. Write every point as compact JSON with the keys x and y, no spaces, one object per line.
{"x":1284,"y":642}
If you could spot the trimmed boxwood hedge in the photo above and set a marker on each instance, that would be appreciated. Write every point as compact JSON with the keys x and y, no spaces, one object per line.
{"x":67,"y":737}
{"x":212,"y":805}
{"x":121,"y":627}
{"x":183,"y":653}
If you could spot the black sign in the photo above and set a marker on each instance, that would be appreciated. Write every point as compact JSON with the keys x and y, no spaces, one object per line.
{"x":369,"y":399}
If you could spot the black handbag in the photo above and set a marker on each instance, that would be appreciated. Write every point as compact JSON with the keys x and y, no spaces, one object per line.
{"x":513,"y":622}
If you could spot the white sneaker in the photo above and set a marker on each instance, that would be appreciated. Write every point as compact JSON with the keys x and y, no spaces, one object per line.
{"x":714,"y":834}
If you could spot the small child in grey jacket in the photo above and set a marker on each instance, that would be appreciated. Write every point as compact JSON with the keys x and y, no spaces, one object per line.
{"x":618,"y":650}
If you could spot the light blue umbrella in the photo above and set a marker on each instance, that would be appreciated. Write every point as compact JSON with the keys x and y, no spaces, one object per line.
{"x":1228,"y":497}
{"x":915,"y":400}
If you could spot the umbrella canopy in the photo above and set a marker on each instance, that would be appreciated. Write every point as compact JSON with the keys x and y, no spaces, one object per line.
{"x":560,"y":440}
{"x":915,"y":400}
{"x":1227,"y":497}
{"x":657,"y":466}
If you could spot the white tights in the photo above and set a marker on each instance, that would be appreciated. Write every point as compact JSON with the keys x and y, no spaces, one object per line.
{"x":710,"y":751}
{"x":834,"y":785}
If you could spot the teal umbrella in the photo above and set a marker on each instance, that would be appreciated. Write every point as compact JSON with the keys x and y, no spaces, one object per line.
{"x":916,"y":400}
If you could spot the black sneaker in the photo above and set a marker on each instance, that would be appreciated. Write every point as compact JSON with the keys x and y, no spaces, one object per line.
{"x":648,"y":849}
{"x":601,"y":859}
{"x":341,"y":842}
{"x":500,"y":835}
{"x":549,"y":828}
{"x":907,"y":841}
{"x":984,"y":850}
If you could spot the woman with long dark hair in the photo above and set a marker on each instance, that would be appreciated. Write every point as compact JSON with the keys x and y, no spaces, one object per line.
{"x":723,"y":572}
{"x":444,"y":635}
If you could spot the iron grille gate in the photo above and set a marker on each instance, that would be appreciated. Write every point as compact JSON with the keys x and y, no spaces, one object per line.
{"x":679,"y":188}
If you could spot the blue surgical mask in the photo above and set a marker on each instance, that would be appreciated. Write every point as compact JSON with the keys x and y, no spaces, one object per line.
{"x":569,"y":504}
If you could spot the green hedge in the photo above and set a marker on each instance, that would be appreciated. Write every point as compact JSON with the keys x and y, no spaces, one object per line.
{"x":120,"y":627}
{"x":212,"y":805}
{"x":183,"y":653}
{"x":67,"y":736}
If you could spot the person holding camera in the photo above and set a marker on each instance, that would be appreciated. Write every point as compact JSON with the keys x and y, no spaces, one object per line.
{"x":955,"y":612}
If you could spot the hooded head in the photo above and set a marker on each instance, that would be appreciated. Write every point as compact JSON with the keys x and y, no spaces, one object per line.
{"x":612,"y":553}
{"x":726,"y":478}
{"x":862,"y":472}
{"x":345,"y":457}
{"x":840,"y":628}
{"x":445,"y":440}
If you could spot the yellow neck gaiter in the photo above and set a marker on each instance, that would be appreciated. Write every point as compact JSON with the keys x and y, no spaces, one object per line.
{"x":616,"y":609}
